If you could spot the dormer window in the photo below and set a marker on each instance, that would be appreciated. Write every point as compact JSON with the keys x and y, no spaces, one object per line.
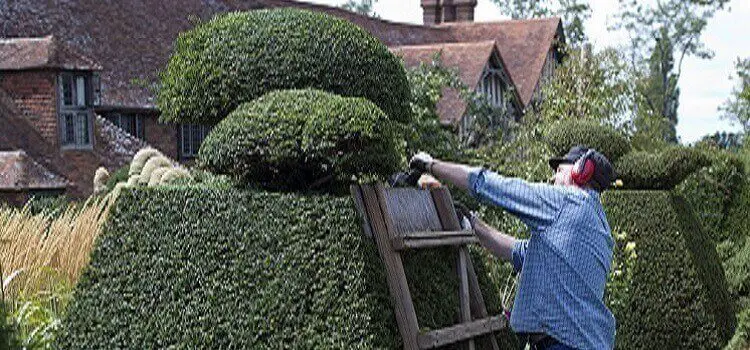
{"x":75,"y":115}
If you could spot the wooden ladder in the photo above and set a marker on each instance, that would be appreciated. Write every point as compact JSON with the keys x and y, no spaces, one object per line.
{"x":406,"y":218}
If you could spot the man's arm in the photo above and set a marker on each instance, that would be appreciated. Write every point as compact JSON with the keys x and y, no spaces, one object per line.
{"x":498,"y":243}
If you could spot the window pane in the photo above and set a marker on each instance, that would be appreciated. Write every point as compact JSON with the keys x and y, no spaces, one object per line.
{"x":80,"y":91}
{"x":69,"y":129}
{"x":67,"y":90}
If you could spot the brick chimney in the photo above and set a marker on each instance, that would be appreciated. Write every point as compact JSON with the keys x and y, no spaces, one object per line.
{"x":445,"y":11}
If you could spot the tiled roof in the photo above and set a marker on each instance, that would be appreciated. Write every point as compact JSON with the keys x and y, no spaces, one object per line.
{"x":468,"y":58}
{"x":18,"y":171}
{"x":132,"y":39}
{"x":45,"y":52}
{"x":523,"y":45}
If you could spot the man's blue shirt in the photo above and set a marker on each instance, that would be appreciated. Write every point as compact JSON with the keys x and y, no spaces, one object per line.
{"x":563,"y":265}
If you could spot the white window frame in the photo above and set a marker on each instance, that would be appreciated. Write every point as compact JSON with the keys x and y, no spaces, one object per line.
{"x":189,"y":134}
{"x":78,"y":112}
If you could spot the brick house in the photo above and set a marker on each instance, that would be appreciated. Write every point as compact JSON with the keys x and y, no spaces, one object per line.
{"x":77,"y":76}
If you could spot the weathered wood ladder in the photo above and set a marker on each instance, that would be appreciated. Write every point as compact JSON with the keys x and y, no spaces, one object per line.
{"x":408,"y":218}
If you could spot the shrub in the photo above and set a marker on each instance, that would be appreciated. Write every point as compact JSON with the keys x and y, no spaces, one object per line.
{"x":240,"y":56}
{"x":197,"y":267}
{"x":101,"y":177}
{"x":712,"y":190}
{"x":737,"y":268}
{"x":121,"y":175}
{"x":662,"y":170}
{"x":741,"y":338}
{"x":568,"y":133}
{"x":678,"y":295}
{"x":296,"y":138}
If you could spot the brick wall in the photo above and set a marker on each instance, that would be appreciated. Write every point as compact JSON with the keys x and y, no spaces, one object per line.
{"x":162,"y":136}
{"x":34,"y":94}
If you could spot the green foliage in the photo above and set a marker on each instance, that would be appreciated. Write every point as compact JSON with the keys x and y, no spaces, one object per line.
{"x":52,"y":206}
{"x":568,"y":133}
{"x":712,"y":190}
{"x":678,"y":297}
{"x":121,"y":175}
{"x":240,"y":56}
{"x":428,"y":82}
{"x":588,"y":86}
{"x":660,"y":170}
{"x":736,"y":247}
{"x":8,"y":337}
{"x":737,"y":269}
{"x":741,"y":338}
{"x":209,"y":268}
{"x":363,"y":7}
{"x":737,"y":107}
{"x":302,"y":139}
{"x":573,"y":13}
{"x":620,"y":280}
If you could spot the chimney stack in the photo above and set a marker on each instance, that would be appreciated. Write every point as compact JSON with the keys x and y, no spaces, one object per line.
{"x":435,"y":12}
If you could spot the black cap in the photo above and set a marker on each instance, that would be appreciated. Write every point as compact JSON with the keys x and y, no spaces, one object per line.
{"x":604,"y":173}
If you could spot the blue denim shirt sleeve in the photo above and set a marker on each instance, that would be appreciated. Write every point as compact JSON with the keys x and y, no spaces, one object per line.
{"x":519,"y":254}
{"x":537,"y":205}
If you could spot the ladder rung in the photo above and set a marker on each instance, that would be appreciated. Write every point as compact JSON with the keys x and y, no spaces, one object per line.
{"x":459,"y":332}
{"x":428,"y":239}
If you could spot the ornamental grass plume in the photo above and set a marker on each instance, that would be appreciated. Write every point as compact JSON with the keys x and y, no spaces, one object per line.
{"x":140,"y":159}
{"x":152,"y":164}
{"x":100,"y":180}
{"x":175,"y":174}
{"x":156,"y":176}
{"x":43,"y":252}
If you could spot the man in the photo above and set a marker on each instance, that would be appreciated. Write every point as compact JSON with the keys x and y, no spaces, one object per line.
{"x":564,"y":265}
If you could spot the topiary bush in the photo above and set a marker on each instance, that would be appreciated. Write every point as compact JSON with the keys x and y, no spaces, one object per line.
{"x":240,"y":56}
{"x":662,"y":170}
{"x":301,"y":139}
{"x":712,"y":190}
{"x":569,"y":132}
{"x":206,"y":268}
{"x":677,"y":298}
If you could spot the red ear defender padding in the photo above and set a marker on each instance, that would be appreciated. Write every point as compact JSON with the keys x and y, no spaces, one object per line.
{"x":583,"y":169}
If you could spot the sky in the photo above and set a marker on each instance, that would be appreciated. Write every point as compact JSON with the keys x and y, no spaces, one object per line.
{"x":704,"y":84}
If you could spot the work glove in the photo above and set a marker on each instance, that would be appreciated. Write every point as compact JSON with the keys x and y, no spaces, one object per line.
{"x":421,"y":161}
{"x":465,"y":216}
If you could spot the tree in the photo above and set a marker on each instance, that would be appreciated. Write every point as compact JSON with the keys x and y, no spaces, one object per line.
{"x":658,"y":99}
{"x":573,"y":13}
{"x":595,"y":86}
{"x":661,"y":37}
{"x":737,"y":107}
{"x":363,"y":7}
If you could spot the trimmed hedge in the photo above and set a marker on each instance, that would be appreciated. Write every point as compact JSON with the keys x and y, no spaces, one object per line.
{"x":713,"y":190}
{"x":206,"y":268}
{"x":678,"y":297}
{"x":658,"y":171}
{"x":568,"y":133}
{"x":295,"y":139}
{"x":240,"y":56}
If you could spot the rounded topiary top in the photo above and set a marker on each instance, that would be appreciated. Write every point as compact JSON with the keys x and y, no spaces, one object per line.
{"x":240,"y":56}
{"x":568,"y":133}
{"x":303,"y":139}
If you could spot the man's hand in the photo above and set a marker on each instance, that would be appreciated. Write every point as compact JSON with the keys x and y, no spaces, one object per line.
{"x":422,"y":162}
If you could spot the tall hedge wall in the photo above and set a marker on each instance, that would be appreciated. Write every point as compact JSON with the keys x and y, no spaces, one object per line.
{"x":678,"y":297}
{"x":205,"y":268}
{"x":240,"y":56}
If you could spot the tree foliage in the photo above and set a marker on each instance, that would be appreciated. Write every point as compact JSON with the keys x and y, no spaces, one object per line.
{"x":737,"y":107}
{"x":593,"y":86}
{"x":363,"y":7}
{"x":573,"y":13}
{"x":662,"y":35}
